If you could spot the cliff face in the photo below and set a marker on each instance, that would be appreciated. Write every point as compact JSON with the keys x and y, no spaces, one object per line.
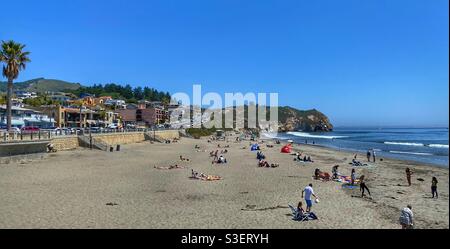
{"x":291,"y":119}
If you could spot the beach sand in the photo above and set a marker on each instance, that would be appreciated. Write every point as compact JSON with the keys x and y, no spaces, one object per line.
{"x":71,"y":189}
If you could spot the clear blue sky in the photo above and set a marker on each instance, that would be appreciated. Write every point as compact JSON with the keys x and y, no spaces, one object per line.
{"x":361,"y":62}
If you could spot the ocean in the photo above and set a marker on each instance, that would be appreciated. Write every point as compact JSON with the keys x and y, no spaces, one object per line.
{"x":426,"y":145}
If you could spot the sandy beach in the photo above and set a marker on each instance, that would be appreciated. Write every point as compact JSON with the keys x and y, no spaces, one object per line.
{"x":96,"y":189}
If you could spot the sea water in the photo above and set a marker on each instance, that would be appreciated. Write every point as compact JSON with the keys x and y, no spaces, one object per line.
{"x":426,"y":145}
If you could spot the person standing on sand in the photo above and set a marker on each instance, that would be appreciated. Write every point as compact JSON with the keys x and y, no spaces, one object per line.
{"x":363,"y":186}
{"x":373,"y":155}
{"x":408,"y":176}
{"x":406,"y":218}
{"x":368,"y":155}
{"x":307,"y":193}
{"x":434,"y":183}
{"x":353,"y":177}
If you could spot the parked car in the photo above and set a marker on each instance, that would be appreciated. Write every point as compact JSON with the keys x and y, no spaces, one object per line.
{"x":62,"y":131}
{"x":113,"y":126}
{"x":30,"y":129}
{"x":96,"y":129}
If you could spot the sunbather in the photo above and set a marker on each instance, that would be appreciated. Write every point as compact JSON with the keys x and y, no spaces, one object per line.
{"x":263,"y":163}
{"x":176,"y":166}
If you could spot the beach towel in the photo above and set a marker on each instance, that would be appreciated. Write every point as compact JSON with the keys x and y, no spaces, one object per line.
{"x":348,"y":186}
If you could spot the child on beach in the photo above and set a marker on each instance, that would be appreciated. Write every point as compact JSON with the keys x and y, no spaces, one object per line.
{"x":353,"y":176}
{"x":434,"y":183}
{"x":335,"y":171}
{"x":408,"y":175}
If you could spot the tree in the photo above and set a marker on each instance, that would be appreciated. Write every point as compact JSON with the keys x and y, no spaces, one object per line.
{"x":15,"y":59}
{"x":138,"y":93}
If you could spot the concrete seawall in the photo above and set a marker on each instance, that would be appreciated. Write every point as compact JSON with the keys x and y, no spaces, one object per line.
{"x":23,"y":148}
{"x":70,"y":143}
{"x":73,"y":142}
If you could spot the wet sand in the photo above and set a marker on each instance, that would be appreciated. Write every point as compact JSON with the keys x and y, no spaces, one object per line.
{"x":96,"y":189}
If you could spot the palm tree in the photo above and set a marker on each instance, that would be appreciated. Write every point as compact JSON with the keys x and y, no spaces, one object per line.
{"x":15,"y":59}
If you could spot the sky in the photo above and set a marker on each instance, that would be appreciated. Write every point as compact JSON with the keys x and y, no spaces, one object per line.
{"x":362,"y":63}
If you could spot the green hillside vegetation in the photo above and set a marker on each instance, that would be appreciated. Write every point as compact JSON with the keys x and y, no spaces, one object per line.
{"x":128,"y":93}
{"x":41,"y":85}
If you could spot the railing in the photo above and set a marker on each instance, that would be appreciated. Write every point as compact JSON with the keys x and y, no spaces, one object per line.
{"x":45,"y":134}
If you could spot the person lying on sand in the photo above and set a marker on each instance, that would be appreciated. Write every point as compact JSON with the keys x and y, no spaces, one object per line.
{"x":357,"y":163}
{"x":263,"y":163}
{"x":201,"y":176}
{"x":176,"y":166}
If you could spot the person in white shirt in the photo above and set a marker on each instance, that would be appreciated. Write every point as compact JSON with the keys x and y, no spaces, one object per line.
{"x":307,"y":193}
{"x":406,"y":218}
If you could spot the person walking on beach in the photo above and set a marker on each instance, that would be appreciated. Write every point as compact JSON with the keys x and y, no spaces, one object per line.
{"x":373,"y":155}
{"x":434,"y":183}
{"x":406,"y":218}
{"x":307,"y":193}
{"x":368,"y":155}
{"x":363,"y":186}
{"x":408,"y":175}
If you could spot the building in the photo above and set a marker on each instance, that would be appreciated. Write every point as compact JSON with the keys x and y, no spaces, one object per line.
{"x":116,"y":103}
{"x":71,"y":117}
{"x":60,"y":97}
{"x":22,"y":117}
{"x":143,"y":116}
{"x":25,"y":94}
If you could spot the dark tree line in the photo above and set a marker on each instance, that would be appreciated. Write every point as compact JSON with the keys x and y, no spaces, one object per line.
{"x":126,"y":92}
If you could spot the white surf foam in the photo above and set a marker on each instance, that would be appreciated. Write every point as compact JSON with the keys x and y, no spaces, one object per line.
{"x":304,"y":134}
{"x":410,"y":153}
{"x":438,"y":145}
{"x":404,"y":143}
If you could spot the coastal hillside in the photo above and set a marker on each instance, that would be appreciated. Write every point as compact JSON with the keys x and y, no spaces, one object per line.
{"x":42,"y":85}
{"x":292,"y":119}
{"x":289,"y":119}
